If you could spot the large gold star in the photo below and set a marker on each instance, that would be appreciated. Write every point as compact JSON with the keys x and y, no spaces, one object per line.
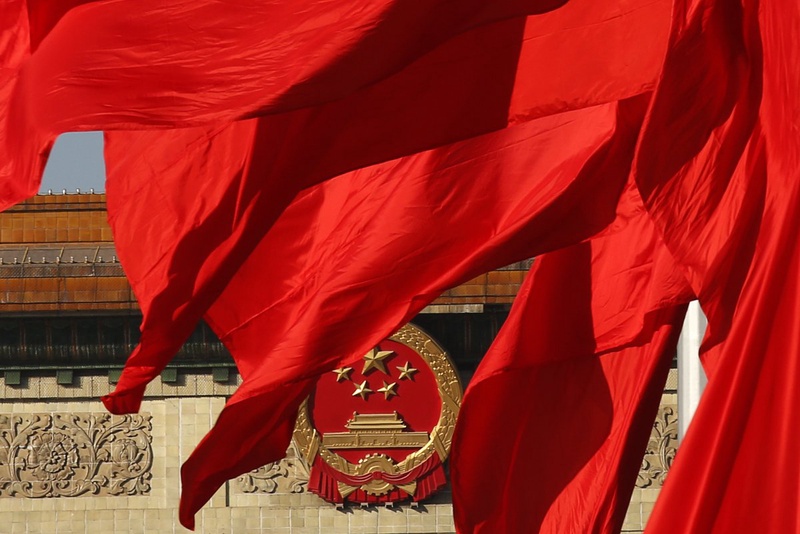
{"x":407,"y":371}
{"x":388,"y":390}
{"x":362,"y":390}
{"x":374,"y":360}
{"x":343,"y":373}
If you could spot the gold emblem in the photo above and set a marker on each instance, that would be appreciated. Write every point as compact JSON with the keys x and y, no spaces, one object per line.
{"x":387,"y":430}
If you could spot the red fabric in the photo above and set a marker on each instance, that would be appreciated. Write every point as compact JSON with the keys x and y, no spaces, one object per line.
{"x":429,"y":474}
{"x":182,"y":63}
{"x":191,"y":62}
{"x":738,"y":182}
{"x":24,"y":148}
{"x":184,"y":265}
{"x":555,"y":421}
{"x":180,"y":246}
{"x":121,"y":65}
{"x":697,"y":130}
{"x":175,"y":242}
{"x":245,"y":447}
{"x":717,"y":168}
{"x":20,"y":167}
{"x":43,"y":15}
{"x":325,"y":303}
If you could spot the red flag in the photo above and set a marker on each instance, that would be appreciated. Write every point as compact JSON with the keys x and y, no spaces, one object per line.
{"x":356,"y":259}
{"x":440,"y":98}
{"x":107,"y":65}
{"x":699,"y":126}
{"x":729,"y":207}
{"x":226,"y":225}
{"x":20,"y":168}
{"x":209,"y":236}
{"x":555,"y":421}
{"x":24,"y":149}
{"x":112,"y":65}
{"x":194,"y":62}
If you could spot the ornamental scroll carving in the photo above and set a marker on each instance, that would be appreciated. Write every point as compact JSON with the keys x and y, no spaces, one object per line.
{"x":289,"y":475}
{"x":661,"y":449}
{"x":68,"y":455}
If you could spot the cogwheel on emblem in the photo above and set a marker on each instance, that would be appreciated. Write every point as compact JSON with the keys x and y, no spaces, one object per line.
{"x":376,"y":463}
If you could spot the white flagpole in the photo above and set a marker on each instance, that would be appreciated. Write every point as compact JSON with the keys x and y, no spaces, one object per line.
{"x":691,"y":378}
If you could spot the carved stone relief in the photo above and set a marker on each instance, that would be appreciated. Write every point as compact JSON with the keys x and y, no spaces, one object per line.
{"x":289,"y":475}
{"x":70,"y":454}
{"x":661,"y":449}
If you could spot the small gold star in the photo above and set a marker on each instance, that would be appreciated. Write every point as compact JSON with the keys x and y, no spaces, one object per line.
{"x":343,"y":373}
{"x":374,"y":360}
{"x":362,"y":390}
{"x":407,"y":371}
{"x":388,"y":390}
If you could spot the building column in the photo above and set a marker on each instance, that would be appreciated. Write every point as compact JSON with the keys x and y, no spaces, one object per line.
{"x":691,"y":378}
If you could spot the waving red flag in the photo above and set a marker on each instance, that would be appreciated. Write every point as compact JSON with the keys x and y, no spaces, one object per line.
{"x":106,"y":65}
{"x":22,"y":166}
{"x":246,"y":173}
{"x":152,"y":64}
{"x":555,"y":421}
{"x":194,"y":62}
{"x":242,"y":187}
{"x":354,"y":262}
{"x":24,"y":148}
{"x":698,"y":129}
{"x":728,"y":203}
{"x":439,"y":98}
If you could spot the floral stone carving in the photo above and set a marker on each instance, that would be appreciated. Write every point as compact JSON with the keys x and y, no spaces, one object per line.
{"x":67,"y":455}
{"x":289,"y":475}
{"x":661,"y":449}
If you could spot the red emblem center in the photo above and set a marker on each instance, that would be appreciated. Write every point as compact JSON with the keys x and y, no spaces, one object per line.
{"x":399,"y":382}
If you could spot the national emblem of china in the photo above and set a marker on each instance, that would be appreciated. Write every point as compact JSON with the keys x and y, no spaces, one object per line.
{"x":379,"y":430}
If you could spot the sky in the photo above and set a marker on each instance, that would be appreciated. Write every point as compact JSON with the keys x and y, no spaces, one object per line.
{"x":76,"y":162}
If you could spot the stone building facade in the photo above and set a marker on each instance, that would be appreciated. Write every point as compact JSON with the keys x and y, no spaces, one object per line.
{"x":68,"y":319}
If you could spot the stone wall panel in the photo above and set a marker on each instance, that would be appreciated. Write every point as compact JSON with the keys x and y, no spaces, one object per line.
{"x":75,"y":454}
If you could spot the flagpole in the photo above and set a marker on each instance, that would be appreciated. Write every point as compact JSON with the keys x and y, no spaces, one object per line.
{"x":691,"y":377}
